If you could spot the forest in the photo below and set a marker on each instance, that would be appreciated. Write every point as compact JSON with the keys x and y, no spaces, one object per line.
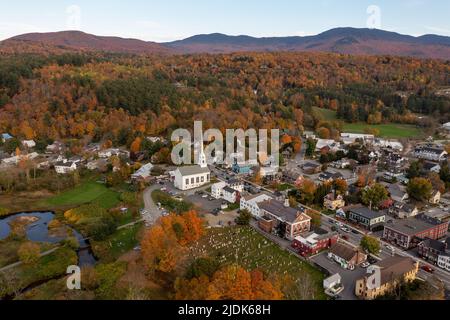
{"x":118,"y":97}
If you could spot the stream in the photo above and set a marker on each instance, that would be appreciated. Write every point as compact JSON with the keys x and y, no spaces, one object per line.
{"x":38,"y":232}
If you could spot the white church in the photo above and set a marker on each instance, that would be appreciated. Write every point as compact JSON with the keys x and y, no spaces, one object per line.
{"x":191,"y":177}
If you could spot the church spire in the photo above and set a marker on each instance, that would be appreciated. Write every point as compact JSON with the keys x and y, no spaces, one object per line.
{"x":202,"y":157}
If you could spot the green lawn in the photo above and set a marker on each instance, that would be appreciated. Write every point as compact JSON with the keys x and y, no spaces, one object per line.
{"x":117,"y":244}
{"x":86,"y":193}
{"x":328,"y":115}
{"x":391,"y":130}
{"x":245,"y":246}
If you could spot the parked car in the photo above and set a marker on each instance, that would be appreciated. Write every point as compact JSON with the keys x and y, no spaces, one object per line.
{"x":365,"y":265}
{"x":345,"y":229}
{"x":427,"y":269}
{"x":371,"y":260}
{"x":205,"y":196}
{"x":391,"y":248}
{"x":355,"y":231}
{"x":345,"y":237}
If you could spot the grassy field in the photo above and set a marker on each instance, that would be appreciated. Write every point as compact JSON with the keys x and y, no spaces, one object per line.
{"x":326,"y":114}
{"x":86,"y":193}
{"x":245,"y":246}
{"x":390,"y":130}
{"x":117,"y":244}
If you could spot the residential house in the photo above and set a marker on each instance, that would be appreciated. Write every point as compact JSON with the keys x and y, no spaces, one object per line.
{"x":269,"y":173}
{"x":438,"y":214}
{"x":351,"y":138}
{"x":430,"y":167}
{"x":231,"y":195}
{"x":289,"y":221}
{"x":444,"y":261}
{"x":333,"y":201}
{"x":314,"y":242}
{"x":29,"y":143}
{"x":108,"y":153}
{"x":236,"y":184}
{"x":65,"y":167}
{"x":217,"y":188}
{"x":369,"y":219}
{"x":402,"y":210}
{"x":398,"y":193}
{"x":330,"y":176}
{"x":431,"y":153}
{"x":346,"y":256}
{"x":388,"y":144}
{"x":5,"y":137}
{"x":99,"y":164}
{"x":251,"y":203}
{"x":292,"y":176}
{"x":331,"y":145}
{"x":311,"y":168}
{"x":16,"y":159}
{"x":435,"y":197}
{"x":410,"y":232}
{"x":385,"y":276}
{"x":431,"y":249}
{"x":144,"y":173}
{"x":56,"y":147}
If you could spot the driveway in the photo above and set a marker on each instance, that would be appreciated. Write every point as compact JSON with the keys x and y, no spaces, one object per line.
{"x":348,"y":277}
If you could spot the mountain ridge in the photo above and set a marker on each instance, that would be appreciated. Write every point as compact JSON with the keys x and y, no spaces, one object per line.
{"x":343,"y":40}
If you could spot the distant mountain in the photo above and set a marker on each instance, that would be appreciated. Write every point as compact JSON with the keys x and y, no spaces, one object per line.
{"x":340,"y":40}
{"x":83,"y":41}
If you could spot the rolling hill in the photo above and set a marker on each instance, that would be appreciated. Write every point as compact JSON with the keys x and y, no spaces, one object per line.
{"x":341,"y":40}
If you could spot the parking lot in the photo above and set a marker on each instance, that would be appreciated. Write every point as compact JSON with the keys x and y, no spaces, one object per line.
{"x":348,"y":277}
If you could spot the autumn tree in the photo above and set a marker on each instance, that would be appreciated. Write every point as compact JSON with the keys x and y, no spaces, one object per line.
{"x":374,"y":195}
{"x":29,"y":253}
{"x":307,"y":191}
{"x":420,"y":189}
{"x":371,"y":244}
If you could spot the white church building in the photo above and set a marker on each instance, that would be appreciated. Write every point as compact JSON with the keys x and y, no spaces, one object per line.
{"x":191,"y":177}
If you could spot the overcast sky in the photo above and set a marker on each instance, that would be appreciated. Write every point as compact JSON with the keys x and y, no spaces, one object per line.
{"x":169,"y":20}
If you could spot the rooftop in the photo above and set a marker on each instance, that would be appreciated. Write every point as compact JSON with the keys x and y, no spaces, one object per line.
{"x":366,"y":212}
{"x":395,"y":267}
{"x":344,"y":251}
{"x":192,"y":170}
{"x":412,"y":226}
{"x":278,"y":209}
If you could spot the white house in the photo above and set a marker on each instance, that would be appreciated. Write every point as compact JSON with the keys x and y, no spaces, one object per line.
{"x":191,"y":177}
{"x":446,"y":126}
{"x":444,"y":261}
{"x":230,"y":195}
{"x":350,"y":138}
{"x":29,"y":143}
{"x":65,"y":167}
{"x":251,"y":203}
{"x":108,"y":153}
{"x":217,"y":188}
{"x":16,"y":159}
{"x":430,"y":153}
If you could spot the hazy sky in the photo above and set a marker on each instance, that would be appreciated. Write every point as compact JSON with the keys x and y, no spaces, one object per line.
{"x":175,"y":19}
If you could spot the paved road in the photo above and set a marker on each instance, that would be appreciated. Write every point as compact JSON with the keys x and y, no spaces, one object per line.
{"x":151,"y":213}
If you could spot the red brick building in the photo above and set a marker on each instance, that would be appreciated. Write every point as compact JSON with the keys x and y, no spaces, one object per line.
{"x":312,"y":243}
{"x":409,"y":233}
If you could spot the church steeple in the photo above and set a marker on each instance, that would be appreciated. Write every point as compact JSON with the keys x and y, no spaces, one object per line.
{"x":202,"y":157}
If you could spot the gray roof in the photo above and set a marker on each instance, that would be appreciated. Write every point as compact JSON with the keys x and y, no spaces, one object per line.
{"x":192,"y":170}
{"x":396,"y":191}
{"x":434,"y":244}
{"x":229,"y":189}
{"x":367,"y":213}
{"x":278,"y":209}
{"x":411,"y":226}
